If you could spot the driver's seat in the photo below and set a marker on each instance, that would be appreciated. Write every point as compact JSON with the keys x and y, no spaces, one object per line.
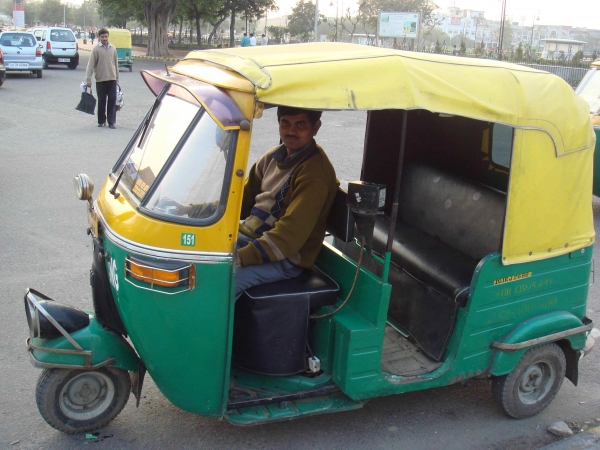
{"x":271,"y":322}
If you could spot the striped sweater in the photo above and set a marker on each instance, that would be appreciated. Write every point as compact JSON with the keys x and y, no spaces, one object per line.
{"x":286,"y":206}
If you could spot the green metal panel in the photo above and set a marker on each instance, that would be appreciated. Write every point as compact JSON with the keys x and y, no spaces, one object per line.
{"x":596,"y":190}
{"x":354,"y":334}
{"x":102,"y":343}
{"x":499,"y":303}
{"x":536,"y":327}
{"x":184,"y":339}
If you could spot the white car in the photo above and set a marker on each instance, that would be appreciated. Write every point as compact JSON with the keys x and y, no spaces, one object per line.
{"x":58,"y":45}
{"x":21,"y":52}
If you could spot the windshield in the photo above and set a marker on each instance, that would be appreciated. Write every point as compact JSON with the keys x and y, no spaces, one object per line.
{"x":62,"y":36}
{"x":196,"y":175}
{"x":590,"y":90}
{"x":17,"y":40}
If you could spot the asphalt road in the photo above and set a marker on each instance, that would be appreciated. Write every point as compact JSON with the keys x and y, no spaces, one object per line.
{"x":44,"y":142}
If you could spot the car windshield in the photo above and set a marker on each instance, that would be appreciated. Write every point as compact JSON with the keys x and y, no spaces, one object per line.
{"x":197,"y":173}
{"x":62,"y":36}
{"x":17,"y":40}
{"x":590,"y":90}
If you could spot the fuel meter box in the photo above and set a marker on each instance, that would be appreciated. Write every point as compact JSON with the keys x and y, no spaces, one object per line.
{"x":366,"y":198}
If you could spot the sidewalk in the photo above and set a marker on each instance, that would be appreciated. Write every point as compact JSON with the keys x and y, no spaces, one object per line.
{"x":138,"y":52}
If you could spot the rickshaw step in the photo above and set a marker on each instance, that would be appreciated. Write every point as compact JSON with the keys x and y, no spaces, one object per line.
{"x":283,"y":398}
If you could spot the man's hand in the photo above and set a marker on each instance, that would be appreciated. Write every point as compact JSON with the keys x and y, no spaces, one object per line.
{"x":88,"y":85}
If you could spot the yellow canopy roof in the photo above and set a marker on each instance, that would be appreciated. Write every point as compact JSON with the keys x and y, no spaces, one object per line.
{"x":549,"y":204}
{"x":361,"y":77}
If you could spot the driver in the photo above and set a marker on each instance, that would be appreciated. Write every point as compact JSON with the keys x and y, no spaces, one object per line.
{"x":287,"y":198}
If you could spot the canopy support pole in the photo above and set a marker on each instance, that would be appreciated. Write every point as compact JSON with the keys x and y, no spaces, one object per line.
{"x":394,"y":216}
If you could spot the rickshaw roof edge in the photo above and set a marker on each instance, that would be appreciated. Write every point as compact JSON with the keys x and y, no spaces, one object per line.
{"x":359,"y":77}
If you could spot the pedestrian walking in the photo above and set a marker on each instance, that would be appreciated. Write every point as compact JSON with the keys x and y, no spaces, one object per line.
{"x":104,"y":65}
{"x":252,"y":40}
{"x":264,"y":40}
{"x":245,"y":41}
{"x":92,"y":37}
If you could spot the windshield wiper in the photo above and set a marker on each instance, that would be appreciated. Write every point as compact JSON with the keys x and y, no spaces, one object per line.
{"x":148,"y":119}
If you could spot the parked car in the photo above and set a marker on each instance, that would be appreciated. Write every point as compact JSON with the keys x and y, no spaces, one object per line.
{"x":58,"y":45}
{"x":2,"y":68}
{"x":21,"y":52}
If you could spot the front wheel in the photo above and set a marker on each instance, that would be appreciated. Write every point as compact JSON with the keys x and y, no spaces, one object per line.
{"x":75,"y":401}
{"x":533,"y":384}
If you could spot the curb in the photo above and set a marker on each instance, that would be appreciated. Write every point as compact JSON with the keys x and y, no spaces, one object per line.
{"x":156,"y":58}
{"x":580,"y":441}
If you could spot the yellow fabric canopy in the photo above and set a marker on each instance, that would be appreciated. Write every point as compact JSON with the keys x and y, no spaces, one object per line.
{"x":549,"y":204}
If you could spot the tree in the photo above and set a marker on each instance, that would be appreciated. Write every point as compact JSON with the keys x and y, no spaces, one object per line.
{"x":438,"y":47}
{"x":277,"y":33}
{"x":251,"y":9}
{"x":352,"y":21}
{"x":51,"y":12}
{"x":301,"y":22}
{"x":519,"y":52}
{"x":197,"y":10}
{"x":577,"y":57}
{"x":463,"y":48}
{"x":157,"y":16}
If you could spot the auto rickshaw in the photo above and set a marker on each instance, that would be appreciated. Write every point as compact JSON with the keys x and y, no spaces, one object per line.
{"x":121,"y":39}
{"x":460,"y":252}
{"x":589,"y":89}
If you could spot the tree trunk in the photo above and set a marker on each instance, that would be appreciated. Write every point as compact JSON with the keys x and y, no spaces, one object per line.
{"x":180,"y":30}
{"x":158,"y":17}
{"x":214,"y":30}
{"x":191,"y":34}
{"x":232,"y":29}
{"x":198,"y":29}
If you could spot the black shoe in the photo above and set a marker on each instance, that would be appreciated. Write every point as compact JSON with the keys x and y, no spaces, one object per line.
{"x":113,"y":126}
{"x":101,"y":125}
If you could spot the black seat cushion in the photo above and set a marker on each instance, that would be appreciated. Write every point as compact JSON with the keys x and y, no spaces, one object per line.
{"x":314,"y":284}
{"x":428,"y":259}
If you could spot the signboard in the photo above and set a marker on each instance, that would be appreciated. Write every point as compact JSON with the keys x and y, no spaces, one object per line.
{"x":18,"y":14}
{"x":398,"y":24}
{"x":455,"y":20}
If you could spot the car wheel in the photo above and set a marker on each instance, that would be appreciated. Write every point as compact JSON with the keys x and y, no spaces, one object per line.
{"x":72,"y":66}
{"x":131,"y":68}
{"x":44,"y":62}
{"x":75,"y":401}
{"x":1,"y":82}
{"x":533,"y":384}
{"x":39,"y":73}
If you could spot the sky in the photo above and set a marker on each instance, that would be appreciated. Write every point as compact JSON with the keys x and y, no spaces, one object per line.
{"x":575,"y":13}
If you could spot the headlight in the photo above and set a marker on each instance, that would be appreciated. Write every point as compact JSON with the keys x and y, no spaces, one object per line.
{"x":84,"y":186}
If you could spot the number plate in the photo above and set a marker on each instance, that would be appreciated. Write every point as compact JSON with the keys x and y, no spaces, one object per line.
{"x":64,"y":59}
{"x":18,"y":65}
{"x":188,"y":239}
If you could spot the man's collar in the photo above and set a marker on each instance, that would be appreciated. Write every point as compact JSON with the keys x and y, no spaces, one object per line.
{"x":107,"y":45}
{"x":280,"y":155}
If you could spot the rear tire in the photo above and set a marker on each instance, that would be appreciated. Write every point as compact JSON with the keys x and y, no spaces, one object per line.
{"x":533,"y":384}
{"x":44,"y":62}
{"x":72,"y":66}
{"x":75,"y":401}
{"x":39,"y":73}
{"x":131,"y":68}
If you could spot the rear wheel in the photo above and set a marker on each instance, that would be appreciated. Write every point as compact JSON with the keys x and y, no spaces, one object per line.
{"x":39,"y":73}
{"x":73,"y":66}
{"x":75,"y":401}
{"x":533,"y":384}
{"x":44,"y":62}
{"x":131,"y":68}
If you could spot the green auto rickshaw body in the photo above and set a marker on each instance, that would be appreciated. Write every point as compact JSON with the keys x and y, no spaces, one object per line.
{"x":529,"y":290}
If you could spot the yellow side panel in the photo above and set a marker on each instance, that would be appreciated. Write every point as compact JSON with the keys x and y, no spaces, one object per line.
{"x":549,"y":209}
{"x":125,"y":220}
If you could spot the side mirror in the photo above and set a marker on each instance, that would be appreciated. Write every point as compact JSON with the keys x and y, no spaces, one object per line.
{"x":84,"y":187}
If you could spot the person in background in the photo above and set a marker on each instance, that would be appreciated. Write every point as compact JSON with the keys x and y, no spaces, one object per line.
{"x":252,"y":40}
{"x":245,"y":41}
{"x":264,"y":40}
{"x":104,"y":64}
{"x":92,"y":37}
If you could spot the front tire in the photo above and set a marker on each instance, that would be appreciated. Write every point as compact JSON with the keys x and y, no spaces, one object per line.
{"x":533,"y":384}
{"x":75,"y":401}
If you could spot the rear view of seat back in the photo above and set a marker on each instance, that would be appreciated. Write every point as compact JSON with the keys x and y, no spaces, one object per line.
{"x":461,"y":213}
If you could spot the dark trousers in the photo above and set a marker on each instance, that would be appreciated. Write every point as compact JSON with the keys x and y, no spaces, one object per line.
{"x":107,"y":90}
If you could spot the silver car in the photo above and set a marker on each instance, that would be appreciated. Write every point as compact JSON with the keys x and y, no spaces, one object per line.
{"x":21,"y":52}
